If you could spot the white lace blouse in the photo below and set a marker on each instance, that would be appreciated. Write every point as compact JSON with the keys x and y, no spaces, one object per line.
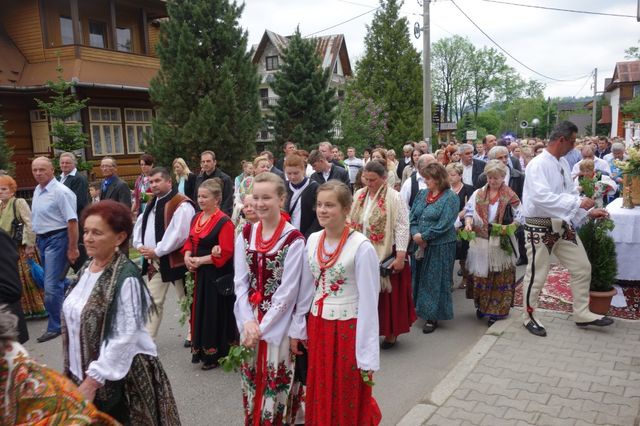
{"x":116,"y":356}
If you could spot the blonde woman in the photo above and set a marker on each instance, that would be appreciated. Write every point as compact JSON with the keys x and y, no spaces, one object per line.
{"x":184,"y":178}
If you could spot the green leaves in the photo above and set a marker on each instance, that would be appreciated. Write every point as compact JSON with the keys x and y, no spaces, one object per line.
{"x":238,"y":354}
{"x":465,"y":235}
{"x":601,"y":251}
{"x":186,"y":302}
{"x":367,"y":377}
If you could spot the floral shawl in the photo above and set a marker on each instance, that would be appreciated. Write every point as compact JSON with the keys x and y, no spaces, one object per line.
{"x":506,"y":197}
{"x":382,"y":218}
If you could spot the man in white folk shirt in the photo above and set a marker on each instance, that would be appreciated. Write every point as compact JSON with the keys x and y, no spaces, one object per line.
{"x":159,"y":234}
{"x":416,"y":182}
{"x":552,"y":207}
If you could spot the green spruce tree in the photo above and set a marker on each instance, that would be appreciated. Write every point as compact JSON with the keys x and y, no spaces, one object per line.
{"x":306,"y":110}
{"x":390,"y":73}
{"x":6,"y":151}
{"x":63,"y":109}
{"x":206,"y":93}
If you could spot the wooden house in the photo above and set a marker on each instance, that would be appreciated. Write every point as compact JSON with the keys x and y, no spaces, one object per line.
{"x":106,"y":47}
{"x":622,"y":87}
{"x":268,"y":57}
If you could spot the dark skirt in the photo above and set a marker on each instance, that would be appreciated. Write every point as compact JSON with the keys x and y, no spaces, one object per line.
{"x":396,"y":312}
{"x":213,"y":325}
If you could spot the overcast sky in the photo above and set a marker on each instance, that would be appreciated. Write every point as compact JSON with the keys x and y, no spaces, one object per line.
{"x":557,"y":44}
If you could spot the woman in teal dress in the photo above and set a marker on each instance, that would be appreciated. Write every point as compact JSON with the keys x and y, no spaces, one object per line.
{"x":431,"y":223}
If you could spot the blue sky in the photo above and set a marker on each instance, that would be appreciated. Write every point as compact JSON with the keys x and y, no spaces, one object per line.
{"x":558,"y":44}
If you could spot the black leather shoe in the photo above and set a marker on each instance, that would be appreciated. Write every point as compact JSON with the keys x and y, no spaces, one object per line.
{"x":459,"y":272}
{"x":536,"y":330}
{"x":195,"y":358}
{"x":600,"y":322}
{"x":388,"y":345}
{"x":49,"y":335}
{"x":430,"y":327}
{"x":522,"y":261}
{"x":187,"y":343}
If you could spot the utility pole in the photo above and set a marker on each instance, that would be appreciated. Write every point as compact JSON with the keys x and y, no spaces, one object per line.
{"x":595,"y":93}
{"x":426,"y":72}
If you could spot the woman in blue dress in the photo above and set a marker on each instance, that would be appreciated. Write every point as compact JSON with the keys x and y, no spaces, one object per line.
{"x":431,"y":224}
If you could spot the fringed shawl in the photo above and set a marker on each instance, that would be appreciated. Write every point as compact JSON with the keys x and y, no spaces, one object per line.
{"x":98,"y":318}
{"x":380,"y":229}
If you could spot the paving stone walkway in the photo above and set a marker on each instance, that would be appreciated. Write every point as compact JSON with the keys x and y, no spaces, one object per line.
{"x":573,"y":376}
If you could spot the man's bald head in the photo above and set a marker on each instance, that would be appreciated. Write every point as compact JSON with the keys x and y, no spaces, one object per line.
{"x":42,"y":169}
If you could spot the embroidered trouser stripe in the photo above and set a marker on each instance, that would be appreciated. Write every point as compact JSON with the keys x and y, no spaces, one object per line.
{"x":541,"y":243}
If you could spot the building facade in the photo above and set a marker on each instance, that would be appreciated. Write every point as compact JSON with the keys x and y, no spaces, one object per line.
{"x":622,"y":87}
{"x":106,"y":47}
{"x":268,"y":57}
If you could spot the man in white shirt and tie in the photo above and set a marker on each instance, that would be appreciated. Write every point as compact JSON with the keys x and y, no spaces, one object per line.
{"x":552,"y":207}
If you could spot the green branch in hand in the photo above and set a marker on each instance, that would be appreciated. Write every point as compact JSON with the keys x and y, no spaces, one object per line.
{"x":367,"y":377}
{"x":237,"y":355}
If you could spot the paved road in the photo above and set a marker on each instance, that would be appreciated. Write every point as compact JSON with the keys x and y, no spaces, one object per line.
{"x":408,"y":371}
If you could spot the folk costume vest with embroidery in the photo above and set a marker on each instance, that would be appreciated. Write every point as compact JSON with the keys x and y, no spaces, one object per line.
{"x":265,"y":269}
{"x":336,"y":295}
{"x":172,"y":265}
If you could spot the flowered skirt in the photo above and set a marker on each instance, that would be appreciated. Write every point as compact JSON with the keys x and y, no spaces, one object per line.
{"x":266,"y":384}
{"x":396,"y":311}
{"x":336,"y":394}
{"x":32,"y":299}
{"x":493,"y":295}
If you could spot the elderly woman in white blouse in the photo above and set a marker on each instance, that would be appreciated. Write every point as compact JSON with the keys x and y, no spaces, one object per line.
{"x":107,"y":350}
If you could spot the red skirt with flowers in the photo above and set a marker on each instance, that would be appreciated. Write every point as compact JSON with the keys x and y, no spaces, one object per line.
{"x":336,"y":394}
{"x":396,"y":311}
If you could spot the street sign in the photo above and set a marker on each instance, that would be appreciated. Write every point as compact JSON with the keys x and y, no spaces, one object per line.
{"x":472,"y":135}
{"x":436,"y":114}
{"x":448,"y":126}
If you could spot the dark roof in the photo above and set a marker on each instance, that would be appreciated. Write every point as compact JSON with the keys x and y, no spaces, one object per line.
{"x":624,"y":72}
{"x":329,"y":48}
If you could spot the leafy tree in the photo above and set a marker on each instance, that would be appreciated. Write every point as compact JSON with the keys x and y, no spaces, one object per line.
{"x":390,"y":73}
{"x":305,"y":112}
{"x":206,"y":92}
{"x":632,"y":108}
{"x":452,"y":75}
{"x":6,"y":151}
{"x":632,"y":52}
{"x":486,"y":69}
{"x":63,"y":108}
{"x":364,"y":124}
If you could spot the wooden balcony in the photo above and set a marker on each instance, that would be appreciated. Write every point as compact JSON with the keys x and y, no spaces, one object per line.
{"x":96,"y":54}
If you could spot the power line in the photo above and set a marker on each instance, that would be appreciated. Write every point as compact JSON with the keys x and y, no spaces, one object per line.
{"x":587,"y":12}
{"x":343,"y":22}
{"x":584,"y":84}
{"x":509,"y":54}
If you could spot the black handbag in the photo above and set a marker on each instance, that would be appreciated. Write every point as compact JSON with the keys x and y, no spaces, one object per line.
{"x":225,"y":285}
{"x":385,"y":266}
{"x":17,"y":227}
{"x":507,"y":218}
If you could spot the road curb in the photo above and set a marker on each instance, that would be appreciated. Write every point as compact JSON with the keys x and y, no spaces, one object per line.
{"x":421,"y":412}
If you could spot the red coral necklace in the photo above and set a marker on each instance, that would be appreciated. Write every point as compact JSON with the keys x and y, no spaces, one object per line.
{"x":264,"y":246}
{"x":327,"y":260}
{"x":433,"y":198}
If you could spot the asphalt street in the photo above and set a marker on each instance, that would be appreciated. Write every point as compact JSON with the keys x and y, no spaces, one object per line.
{"x":408,"y":371}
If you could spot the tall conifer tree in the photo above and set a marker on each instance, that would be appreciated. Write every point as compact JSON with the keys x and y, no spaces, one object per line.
{"x":206,"y":92}
{"x":305,"y":111}
{"x":390,"y":73}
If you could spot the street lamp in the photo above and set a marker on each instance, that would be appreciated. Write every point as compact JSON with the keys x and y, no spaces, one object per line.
{"x":534,"y":123}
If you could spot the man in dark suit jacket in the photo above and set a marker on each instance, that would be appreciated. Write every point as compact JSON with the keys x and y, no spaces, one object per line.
{"x":113,"y":188}
{"x":209,"y":170}
{"x":301,"y":196}
{"x":10,"y":285}
{"x":467,"y":160}
{"x":77,"y":183}
{"x":326,"y":171}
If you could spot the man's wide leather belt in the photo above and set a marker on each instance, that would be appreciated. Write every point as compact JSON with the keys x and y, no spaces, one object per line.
{"x":539,"y":221}
{"x":51,"y":233}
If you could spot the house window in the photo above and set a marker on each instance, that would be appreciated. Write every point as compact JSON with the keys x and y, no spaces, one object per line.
{"x":123,"y":36}
{"x":106,"y":131}
{"x":138,"y":125}
{"x":272,"y":63}
{"x":66,"y":30}
{"x":40,"y":131}
{"x":636,"y":90}
{"x":335,"y":68}
{"x":97,"y":34}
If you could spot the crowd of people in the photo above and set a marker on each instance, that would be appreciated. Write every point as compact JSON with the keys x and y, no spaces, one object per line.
{"x":307,"y":261}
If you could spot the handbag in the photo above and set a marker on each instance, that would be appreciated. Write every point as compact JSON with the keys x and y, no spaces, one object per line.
{"x":17,"y":227}
{"x":225,"y":285}
{"x":385,"y":265}
{"x":507,"y":218}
